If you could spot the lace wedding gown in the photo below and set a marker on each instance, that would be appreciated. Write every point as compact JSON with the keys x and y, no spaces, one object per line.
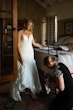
{"x":27,"y":73}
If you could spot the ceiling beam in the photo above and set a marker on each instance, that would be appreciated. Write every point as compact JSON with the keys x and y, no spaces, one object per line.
{"x":42,"y":4}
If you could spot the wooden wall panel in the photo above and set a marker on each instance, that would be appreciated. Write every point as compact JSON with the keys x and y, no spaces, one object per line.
{"x":61,"y":28}
{"x":5,"y":5}
{"x":26,"y":8}
{"x":30,"y":9}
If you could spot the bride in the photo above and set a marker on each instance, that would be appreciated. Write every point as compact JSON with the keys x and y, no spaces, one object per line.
{"x":28,"y":77}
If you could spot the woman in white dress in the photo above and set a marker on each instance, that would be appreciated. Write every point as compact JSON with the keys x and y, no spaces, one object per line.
{"x":27,"y":71}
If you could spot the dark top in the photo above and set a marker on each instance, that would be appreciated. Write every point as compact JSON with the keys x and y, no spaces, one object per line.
{"x":68,"y":80}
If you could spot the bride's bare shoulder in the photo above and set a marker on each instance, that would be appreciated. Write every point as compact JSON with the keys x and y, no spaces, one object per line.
{"x":20,"y":32}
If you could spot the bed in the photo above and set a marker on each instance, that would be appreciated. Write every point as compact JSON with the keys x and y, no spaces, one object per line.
{"x":66,"y":56}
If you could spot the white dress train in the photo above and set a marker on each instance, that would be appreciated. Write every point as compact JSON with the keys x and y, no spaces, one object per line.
{"x":27,"y":73}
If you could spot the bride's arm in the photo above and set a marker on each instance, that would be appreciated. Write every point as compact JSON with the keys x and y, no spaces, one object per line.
{"x":19,"y":50}
{"x":36,"y":44}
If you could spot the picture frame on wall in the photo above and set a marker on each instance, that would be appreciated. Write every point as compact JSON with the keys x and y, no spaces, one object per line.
{"x":68,"y":28}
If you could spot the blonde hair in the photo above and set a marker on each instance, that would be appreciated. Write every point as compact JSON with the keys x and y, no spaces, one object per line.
{"x":26,"y":23}
{"x":49,"y":59}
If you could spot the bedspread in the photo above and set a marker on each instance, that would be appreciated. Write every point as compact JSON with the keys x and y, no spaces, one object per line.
{"x":66,"y":57}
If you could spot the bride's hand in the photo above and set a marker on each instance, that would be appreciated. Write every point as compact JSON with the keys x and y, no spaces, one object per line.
{"x":21,"y":60}
{"x":42,"y":46}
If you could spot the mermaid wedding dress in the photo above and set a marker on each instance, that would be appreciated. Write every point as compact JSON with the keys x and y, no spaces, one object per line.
{"x":27,"y":73}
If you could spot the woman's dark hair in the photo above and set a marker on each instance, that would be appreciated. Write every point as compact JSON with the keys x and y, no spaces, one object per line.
{"x":26,"y":22}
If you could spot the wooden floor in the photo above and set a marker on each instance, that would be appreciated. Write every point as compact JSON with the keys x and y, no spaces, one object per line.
{"x":42,"y":103}
{"x":27,"y":103}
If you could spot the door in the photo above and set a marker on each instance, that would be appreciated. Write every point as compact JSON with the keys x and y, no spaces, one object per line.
{"x":8,"y":44}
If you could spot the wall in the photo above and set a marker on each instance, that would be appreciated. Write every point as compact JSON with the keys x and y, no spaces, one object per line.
{"x":31,"y":9}
{"x":64,"y":13}
{"x":62,"y":27}
{"x":5,"y":5}
{"x":26,"y":9}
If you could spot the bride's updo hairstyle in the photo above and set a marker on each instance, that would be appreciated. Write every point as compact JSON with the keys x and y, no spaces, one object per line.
{"x":49,"y":59}
{"x":26,"y":23}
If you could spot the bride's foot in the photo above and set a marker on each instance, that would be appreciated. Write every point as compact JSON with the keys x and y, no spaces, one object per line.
{"x":34,"y":96}
{"x":28,"y":92}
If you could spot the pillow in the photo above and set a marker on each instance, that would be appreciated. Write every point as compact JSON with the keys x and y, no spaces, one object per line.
{"x":69,"y":45}
{"x":68,"y":40}
{"x":60,"y":41}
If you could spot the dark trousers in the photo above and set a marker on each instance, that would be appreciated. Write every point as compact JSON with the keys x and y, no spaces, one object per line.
{"x":61,"y":102}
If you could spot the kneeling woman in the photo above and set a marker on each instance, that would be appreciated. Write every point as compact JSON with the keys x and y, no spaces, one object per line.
{"x":64,"y":99}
